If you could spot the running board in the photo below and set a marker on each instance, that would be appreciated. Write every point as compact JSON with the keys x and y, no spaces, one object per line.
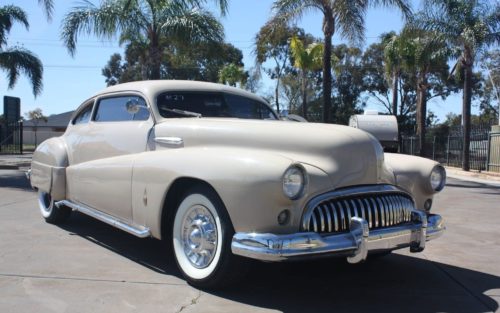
{"x":139,"y":231}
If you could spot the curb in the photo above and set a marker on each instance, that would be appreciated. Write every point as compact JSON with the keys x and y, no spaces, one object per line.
{"x":491,"y":176}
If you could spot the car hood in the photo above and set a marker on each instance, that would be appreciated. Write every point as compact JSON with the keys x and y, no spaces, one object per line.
{"x":349,"y":156}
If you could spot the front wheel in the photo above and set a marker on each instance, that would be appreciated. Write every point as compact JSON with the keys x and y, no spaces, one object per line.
{"x":50,"y":212}
{"x":202,"y":234}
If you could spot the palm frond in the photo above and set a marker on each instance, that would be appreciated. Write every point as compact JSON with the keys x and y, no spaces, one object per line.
{"x":403,"y":5}
{"x":8,"y":15}
{"x":18,"y":61}
{"x":194,"y":25}
{"x":350,"y":16}
{"x":104,"y":21}
{"x":48,"y":6}
{"x":288,"y":10}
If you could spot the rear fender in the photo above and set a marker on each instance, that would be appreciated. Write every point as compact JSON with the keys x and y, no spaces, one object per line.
{"x":48,"y":168}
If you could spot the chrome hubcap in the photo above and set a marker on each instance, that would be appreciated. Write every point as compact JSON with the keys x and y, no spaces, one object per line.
{"x":199,"y":236}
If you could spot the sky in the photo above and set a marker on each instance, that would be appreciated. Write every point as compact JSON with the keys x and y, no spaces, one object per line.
{"x":68,"y":81}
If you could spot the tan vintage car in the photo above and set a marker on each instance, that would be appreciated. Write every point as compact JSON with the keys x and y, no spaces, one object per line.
{"x":212,"y":170}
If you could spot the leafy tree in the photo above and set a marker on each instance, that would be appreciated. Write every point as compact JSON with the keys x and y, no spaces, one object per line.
{"x":490,"y":63}
{"x":151,"y":21}
{"x":305,"y":59}
{"x":348,"y":82}
{"x":36,"y":116}
{"x":468,"y":27}
{"x":272,"y":42}
{"x":113,"y":71}
{"x":253,"y":83}
{"x":426,"y":55}
{"x":17,"y":60}
{"x":232,"y":75}
{"x":381,"y":88}
{"x":203,"y":62}
{"x":179,"y":61}
{"x":345,"y":16}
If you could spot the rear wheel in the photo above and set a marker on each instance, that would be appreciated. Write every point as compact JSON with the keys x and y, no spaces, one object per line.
{"x":201,"y":237}
{"x":50,"y":212}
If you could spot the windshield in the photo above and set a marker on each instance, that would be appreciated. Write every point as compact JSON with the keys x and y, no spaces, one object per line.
{"x":194,"y":104}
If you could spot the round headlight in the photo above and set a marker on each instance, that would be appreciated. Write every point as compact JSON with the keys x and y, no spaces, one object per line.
{"x":294,"y":181}
{"x":438,"y":178}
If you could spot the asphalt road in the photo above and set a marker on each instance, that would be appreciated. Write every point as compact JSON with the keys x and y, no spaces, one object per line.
{"x":87,"y":266}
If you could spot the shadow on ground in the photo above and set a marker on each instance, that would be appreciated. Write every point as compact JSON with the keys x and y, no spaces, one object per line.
{"x":14,"y":179}
{"x":395,"y":283}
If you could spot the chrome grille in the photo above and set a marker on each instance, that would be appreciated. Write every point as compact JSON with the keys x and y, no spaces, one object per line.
{"x":380,"y":210}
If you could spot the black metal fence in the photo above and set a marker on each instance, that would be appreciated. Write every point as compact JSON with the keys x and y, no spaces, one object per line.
{"x":11,"y":138}
{"x":446,"y":146}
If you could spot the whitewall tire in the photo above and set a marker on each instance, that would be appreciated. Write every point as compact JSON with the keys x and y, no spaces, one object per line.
{"x":50,"y":212}
{"x":201,"y":239}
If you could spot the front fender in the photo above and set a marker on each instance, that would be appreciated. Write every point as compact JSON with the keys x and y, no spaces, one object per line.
{"x":412,"y":173}
{"x":248,"y":182}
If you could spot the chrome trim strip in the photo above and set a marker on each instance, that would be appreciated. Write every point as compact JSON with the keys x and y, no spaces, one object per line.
{"x":170,"y":141}
{"x":136,"y":230}
{"x":355,"y":244}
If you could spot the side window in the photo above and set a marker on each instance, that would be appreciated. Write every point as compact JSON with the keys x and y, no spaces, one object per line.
{"x":243,"y":107}
{"x":123,"y":108}
{"x":84,"y":115}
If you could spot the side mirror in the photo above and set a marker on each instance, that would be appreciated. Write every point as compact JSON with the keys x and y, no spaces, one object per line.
{"x":132,"y":106}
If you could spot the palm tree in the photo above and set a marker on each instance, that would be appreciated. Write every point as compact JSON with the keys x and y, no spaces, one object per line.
{"x":469,"y":26}
{"x":154,"y":20}
{"x":347,"y":16}
{"x":17,"y":60}
{"x":305,"y":59}
{"x":394,"y":51}
{"x":426,"y":53}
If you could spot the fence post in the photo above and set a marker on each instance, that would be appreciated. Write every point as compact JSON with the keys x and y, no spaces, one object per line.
{"x":488,"y":153}
{"x":448,"y":152}
{"x":434,"y":148}
{"x":411,"y":145}
{"x":21,"y":136}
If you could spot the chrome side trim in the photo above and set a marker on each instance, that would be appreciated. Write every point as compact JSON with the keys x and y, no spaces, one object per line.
{"x":136,"y":230}
{"x":354,"y":245}
{"x":170,"y":141}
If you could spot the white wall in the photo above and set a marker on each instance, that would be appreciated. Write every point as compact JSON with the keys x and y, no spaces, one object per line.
{"x":29,"y":136}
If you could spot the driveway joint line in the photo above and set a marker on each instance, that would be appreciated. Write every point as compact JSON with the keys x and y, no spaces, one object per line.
{"x":88,"y":279}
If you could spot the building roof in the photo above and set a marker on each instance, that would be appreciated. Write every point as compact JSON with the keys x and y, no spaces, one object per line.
{"x":55,"y":120}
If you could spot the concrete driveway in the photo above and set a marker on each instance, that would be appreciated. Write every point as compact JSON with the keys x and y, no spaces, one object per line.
{"x":87,"y":266}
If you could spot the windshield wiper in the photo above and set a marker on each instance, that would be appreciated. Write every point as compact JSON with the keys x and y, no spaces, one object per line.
{"x":181,"y":112}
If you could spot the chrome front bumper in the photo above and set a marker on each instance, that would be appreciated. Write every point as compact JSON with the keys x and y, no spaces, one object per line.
{"x":355,"y":245}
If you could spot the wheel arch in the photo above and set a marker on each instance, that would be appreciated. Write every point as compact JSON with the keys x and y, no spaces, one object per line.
{"x":174,"y":195}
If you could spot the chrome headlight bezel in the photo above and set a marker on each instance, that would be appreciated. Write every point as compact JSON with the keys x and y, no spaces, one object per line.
{"x":437,"y":178}
{"x":294,"y":181}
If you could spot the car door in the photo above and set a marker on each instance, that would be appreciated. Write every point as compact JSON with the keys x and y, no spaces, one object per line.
{"x":102,"y":153}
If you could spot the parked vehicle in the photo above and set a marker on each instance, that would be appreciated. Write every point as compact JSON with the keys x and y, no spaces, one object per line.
{"x":211,"y":170}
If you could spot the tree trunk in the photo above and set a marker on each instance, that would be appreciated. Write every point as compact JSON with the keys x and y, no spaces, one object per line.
{"x":276,"y":94}
{"x":421,"y":112}
{"x":304,"y":95}
{"x":467,"y":97}
{"x":395,"y":79}
{"x":328,"y":30}
{"x":155,"y":57}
